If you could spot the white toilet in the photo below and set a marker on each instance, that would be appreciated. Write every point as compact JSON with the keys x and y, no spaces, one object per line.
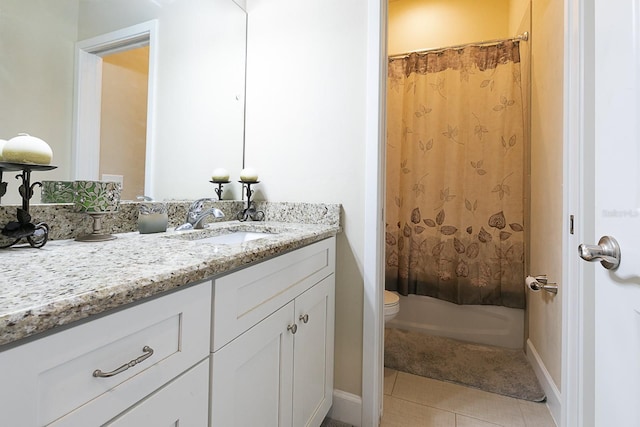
{"x":391,"y":305}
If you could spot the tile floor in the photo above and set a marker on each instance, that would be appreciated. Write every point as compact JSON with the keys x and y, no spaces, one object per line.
{"x":412,"y":401}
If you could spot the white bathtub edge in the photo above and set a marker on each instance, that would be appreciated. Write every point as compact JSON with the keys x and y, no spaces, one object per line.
{"x":482,"y":324}
{"x":547,"y":383}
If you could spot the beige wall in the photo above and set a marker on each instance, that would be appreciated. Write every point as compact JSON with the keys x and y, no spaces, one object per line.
{"x":545,"y":312}
{"x":421,"y":24}
{"x":519,"y":16}
{"x":123,"y":122}
{"x":520,"y":22}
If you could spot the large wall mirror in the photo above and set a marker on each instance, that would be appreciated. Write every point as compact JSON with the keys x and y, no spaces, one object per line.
{"x":195,"y":103}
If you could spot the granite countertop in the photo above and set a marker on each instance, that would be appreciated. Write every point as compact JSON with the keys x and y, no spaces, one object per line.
{"x":66,"y":281}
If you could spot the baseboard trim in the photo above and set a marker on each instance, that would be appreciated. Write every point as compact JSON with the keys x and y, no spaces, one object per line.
{"x":346,"y":408}
{"x":548,"y":385}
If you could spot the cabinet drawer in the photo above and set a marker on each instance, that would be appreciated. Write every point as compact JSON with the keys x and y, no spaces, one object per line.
{"x":61,"y":378}
{"x":243,"y":298}
{"x":183,"y":402}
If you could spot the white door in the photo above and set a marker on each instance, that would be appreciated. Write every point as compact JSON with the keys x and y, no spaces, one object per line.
{"x":616,"y":212}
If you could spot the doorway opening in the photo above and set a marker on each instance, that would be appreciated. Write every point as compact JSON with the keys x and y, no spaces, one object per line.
{"x":123,"y":119}
{"x":422,"y":24}
{"x":113,"y":112}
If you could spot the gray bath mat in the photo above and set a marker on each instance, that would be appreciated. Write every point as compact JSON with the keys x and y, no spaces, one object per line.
{"x":493,"y":369}
{"x":328,"y":422}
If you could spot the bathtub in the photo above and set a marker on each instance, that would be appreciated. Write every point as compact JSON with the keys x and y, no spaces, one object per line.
{"x":484,"y":324}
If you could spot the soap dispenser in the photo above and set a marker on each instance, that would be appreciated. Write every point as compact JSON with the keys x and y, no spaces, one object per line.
{"x":152,"y":216}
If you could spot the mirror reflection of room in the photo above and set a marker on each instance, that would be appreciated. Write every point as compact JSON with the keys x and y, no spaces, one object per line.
{"x":123,"y":118}
{"x":195,"y":108}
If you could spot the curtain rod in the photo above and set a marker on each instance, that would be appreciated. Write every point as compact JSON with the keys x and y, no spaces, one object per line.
{"x":521,"y":37}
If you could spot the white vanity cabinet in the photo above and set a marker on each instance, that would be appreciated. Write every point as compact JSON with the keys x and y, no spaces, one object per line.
{"x":272,"y":343}
{"x":253,"y":347}
{"x":54,"y":380}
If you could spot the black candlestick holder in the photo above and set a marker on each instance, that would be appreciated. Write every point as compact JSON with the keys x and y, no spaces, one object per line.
{"x":219,"y":190}
{"x":36,"y":234}
{"x":3,"y":186}
{"x":250,"y":211}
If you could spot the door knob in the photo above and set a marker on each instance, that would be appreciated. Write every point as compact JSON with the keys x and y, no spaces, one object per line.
{"x":607,"y":251}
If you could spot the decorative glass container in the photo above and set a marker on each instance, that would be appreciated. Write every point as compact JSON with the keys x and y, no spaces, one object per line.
{"x":57,"y":192}
{"x":152,"y":217}
{"x":96,"y":198}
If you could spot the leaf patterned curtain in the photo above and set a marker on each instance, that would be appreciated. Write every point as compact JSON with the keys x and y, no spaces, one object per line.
{"x":455,"y":175}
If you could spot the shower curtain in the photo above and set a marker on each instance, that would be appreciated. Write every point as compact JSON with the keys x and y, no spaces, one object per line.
{"x":455,"y":175}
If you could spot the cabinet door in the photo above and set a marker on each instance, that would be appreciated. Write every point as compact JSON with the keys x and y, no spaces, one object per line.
{"x":183,"y":402}
{"x":313,"y":354}
{"x":252,"y":375}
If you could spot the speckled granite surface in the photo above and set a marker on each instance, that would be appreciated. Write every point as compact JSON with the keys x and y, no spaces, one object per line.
{"x":66,"y":281}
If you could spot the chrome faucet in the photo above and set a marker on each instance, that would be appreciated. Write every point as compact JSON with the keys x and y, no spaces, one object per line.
{"x":196,"y":215}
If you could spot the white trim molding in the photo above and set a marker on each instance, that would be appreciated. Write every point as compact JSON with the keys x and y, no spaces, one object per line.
{"x":347,"y":408}
{"x":554,"y":397}
{"x":85,"y":147}
{"x":373,"y":267}
{"x":577,"y":340}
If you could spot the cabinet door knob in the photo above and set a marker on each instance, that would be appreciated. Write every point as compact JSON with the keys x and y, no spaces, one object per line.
{"x":293,"y":328}
{"x":148,"y":351}
{"x":304,"y":319}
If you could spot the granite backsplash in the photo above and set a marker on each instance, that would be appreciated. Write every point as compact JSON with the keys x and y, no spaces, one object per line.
{"x":65,"y":223}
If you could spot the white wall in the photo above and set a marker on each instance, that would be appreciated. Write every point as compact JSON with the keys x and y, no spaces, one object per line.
{"x":36,"y":79}
{"x":305,"y":131}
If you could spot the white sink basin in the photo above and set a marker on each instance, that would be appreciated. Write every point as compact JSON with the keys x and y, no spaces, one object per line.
{"x":233,"y":238}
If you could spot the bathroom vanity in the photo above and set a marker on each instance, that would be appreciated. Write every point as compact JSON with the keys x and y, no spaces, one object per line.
{"x":168,"y":328}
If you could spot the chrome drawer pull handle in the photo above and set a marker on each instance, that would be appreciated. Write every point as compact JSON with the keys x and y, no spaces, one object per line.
{"x":304,"y":318}
{"x":293,"y":328}
{"x":148,"y":351}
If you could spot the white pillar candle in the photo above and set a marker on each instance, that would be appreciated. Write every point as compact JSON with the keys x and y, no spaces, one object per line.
{"x":25,"y":148}
{"x":249,"y":175}
{"x":220,"y":175}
